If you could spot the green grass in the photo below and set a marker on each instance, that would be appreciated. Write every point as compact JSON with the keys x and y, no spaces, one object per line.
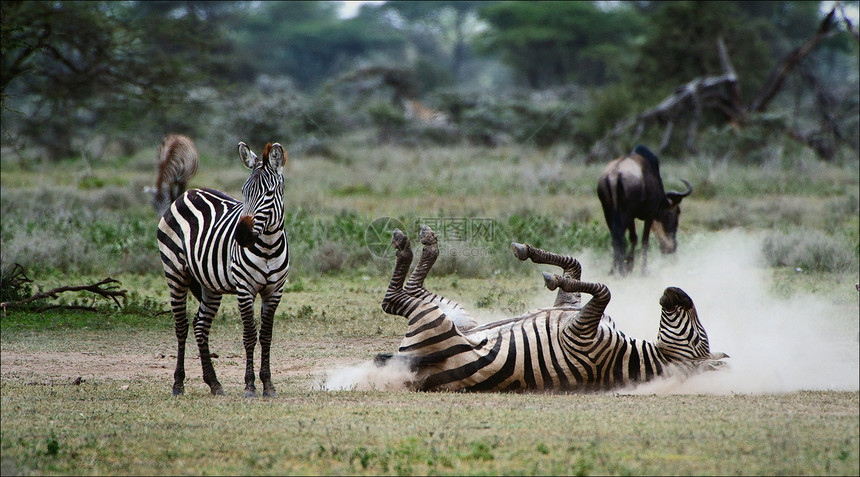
{"x":134,"y":428}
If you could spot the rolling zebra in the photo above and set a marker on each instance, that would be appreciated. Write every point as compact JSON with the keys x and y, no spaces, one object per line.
{"x":177,"y":164}
{"x":213,"y":244}
{"x":569,"y":346}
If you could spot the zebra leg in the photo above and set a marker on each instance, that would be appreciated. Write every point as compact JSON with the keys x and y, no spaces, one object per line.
{"x":403,"y":256}
{"x":249,"y":338}
{"x":586,"y":323}
{"x":572,"y":269}
{"x":462,"y":319}
{"x":267,"y":321}
{"x":429,"y":254}
{"x":180,"y":322}
{"x":209,"y":304}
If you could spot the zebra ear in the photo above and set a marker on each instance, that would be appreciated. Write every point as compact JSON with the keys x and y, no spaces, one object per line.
{"x":277,"y":157}
{"x":247,"y":155}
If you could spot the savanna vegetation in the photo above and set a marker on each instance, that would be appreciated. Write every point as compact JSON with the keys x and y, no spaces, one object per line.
{"x":89,"y":88}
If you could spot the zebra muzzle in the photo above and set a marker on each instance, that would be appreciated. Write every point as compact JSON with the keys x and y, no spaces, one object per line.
{"x":245,"y":235}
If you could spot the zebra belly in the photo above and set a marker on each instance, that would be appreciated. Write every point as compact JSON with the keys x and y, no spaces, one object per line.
{"x":517,"y":354}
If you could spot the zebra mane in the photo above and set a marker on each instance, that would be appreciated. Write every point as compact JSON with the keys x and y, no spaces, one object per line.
{"x":266,"y":154}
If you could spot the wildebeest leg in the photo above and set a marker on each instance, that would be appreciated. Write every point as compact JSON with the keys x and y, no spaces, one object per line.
{"x":631,"y":253}
{"x":572,"y":268}
{"x":617,"y":228}
{"x":646,"y":233}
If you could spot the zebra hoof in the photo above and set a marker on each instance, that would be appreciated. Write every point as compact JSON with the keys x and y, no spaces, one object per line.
{"x":178,"y":391}
{"x":250,"y":393}
{"x":521,"y":251}
{"x":399,"y":240}
{"x":217,"y":390}
{"x":550,"y":280}
{"x":270,"y":393}
{"x":428,"y":236}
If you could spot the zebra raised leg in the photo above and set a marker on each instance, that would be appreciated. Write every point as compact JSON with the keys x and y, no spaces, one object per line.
{"x":395,"y":294}
{"x":572,"y":269}
{"x":415,"y":285}
{"x":586,"y":323}
{"x":429,"y":253}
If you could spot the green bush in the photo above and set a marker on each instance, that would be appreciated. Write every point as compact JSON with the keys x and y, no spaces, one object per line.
{"x":808,"y":250}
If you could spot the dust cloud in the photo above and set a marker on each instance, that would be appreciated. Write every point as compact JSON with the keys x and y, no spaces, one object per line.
{"x":367,"y":376}
{"x":775,"y":345}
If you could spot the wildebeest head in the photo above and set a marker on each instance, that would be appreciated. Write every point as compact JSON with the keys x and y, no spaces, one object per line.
{"x":665,"y":225}
{"x":263,"y":192}
{"x":682,"y":337}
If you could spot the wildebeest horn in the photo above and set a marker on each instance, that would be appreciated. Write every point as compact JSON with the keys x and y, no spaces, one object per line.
{"x":681,"y":195}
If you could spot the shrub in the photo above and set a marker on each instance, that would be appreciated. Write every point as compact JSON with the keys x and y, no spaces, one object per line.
{"x":807,"y":250}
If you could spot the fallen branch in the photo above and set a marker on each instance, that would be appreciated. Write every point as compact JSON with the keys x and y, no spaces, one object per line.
{"x":107,"y":288}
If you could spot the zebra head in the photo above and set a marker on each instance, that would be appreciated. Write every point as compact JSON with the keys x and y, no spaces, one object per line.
{"x":682,"y":338}
{"x":263,"y":193}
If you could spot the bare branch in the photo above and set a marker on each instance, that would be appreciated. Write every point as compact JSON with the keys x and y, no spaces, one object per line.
{"x":774,"y":82}
{"x":107,"y":288}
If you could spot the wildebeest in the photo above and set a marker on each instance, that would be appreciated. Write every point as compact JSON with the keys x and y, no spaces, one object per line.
{"x":630,"y":188}
{"x":177,"y":164}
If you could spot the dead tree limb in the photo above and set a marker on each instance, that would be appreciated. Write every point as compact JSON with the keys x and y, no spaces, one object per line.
{"x":774,"y":81}
{"x":107,"y":288}
{"x":686,"y":103}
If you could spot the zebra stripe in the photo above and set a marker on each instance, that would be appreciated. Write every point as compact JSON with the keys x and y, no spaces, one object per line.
{"x":566,"y":347}
{"x":213,"y":244}
{"x":177,"y":164}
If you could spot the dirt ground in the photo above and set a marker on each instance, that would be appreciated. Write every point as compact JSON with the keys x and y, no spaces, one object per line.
{"x":62,"y":367}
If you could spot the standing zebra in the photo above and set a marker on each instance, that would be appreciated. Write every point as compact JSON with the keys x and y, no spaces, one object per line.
{"x":177,"y":164}
{"x":567,"y":347}
{"x":214,"y":244}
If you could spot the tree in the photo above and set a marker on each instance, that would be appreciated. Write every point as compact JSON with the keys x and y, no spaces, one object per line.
{"x":720,"y":93}
{"x":308,"y":42}
{"x":71,"y":65}
{"x":551,"y":43}
{"x":680,"y":45}
{"x":447,"y":23}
